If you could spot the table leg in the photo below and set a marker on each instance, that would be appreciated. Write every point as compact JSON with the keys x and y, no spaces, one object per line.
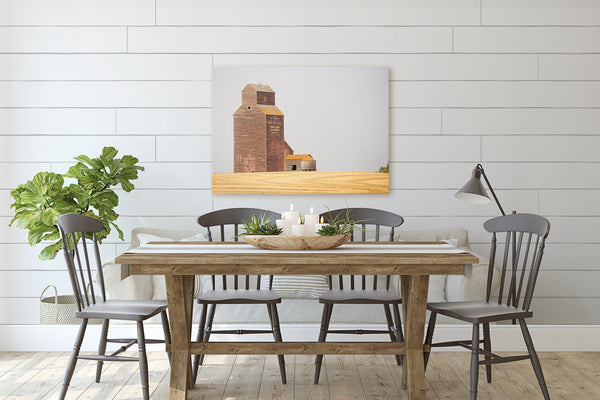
{"x":180,"y":296}
{"x":414,"y":304}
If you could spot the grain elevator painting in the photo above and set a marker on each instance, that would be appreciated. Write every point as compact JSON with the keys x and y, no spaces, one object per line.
{"x":273,"y":126}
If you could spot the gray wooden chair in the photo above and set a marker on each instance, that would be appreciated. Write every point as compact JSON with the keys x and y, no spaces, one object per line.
{"x":360,"y":292}
{"x":76,"y":228}
{"x":241,"y":292}
{"x":522,"y":254}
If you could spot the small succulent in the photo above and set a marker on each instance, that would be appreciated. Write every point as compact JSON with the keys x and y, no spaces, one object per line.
{"x":339,"y":225}
{"x":259,"y":225}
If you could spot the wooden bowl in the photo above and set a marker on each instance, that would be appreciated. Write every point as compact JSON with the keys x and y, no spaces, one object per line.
{"x":278,"y":242}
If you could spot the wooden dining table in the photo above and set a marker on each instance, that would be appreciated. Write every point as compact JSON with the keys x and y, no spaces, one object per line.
{"x":179,"y":262}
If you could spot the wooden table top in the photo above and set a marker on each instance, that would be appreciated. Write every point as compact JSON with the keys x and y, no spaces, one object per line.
{"x":399,"y":258}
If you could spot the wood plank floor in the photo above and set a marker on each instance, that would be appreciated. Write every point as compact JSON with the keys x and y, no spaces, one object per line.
{"x":38,"y":376}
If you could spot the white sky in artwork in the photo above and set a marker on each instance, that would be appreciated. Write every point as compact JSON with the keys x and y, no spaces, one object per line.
{"x":339,"y":115}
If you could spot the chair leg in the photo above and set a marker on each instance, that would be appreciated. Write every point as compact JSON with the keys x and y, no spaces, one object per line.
{"x":487,"y":346}
{"x":102,"y":348}
{"x":429,"y":337}
{"x":391,"y":329}
{"x":474,"y":361}
{"x":277,"y":335}
{"x":325,"y":318}
{"x":398,"y":325}
{"x":166,"y":331}
{"x":143,"y":360}
{"x":535,"y":361}
{"x":199,"y":338}
{"x":207,"y":328}
{"x":73,"y":359}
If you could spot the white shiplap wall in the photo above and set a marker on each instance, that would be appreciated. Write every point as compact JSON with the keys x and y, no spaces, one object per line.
{"x":513,"y":84}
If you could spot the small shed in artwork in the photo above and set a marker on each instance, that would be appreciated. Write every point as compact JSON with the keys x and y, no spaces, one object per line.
{"x":299,"y":162}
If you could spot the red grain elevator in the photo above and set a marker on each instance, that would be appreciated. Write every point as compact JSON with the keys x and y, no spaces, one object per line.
{"x":258,"y":134}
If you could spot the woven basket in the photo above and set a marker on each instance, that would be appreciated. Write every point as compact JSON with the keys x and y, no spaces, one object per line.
{"x":60,"y":310}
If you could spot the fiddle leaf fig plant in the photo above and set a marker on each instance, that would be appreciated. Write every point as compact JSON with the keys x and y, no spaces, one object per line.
{"x":40,"y":201}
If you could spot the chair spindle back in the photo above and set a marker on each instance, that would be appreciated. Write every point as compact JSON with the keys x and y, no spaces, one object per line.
{"x":78,"y":232}
{"x":366,"y":217}
{"x":524,"y":237}
{"x":234,"y":217}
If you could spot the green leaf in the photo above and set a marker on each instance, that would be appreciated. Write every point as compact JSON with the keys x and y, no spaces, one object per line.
{"x":49,"y":252}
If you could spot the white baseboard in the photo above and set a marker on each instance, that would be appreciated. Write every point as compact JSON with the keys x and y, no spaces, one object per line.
{"x":504,"y":337}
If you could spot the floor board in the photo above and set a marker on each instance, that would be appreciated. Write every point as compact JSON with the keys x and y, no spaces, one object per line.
{"x":38,"y":376}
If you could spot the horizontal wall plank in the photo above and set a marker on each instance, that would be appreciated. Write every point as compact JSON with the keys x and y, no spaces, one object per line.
{"x":532,"y":175}
{"x":581,"y":284}
{"x":422,"y":175}
{"x":57,"y":121}
{"x":23,"y":257}
{"x":541,"y":148}
{"x":415,"y":120}
{"x":168,"y":176}
{"x":492,"y":121}
{"x":503,"y":175}
{"x":495,"y":94}
{"x":14,"y":174}
{"x":105,"y":94}
{"x":560,"y":256}
{"x":570,"y":202}
{"x":434,"y":148}
{"x":540,"y":12}
{"x":18,"y":310}
{"x":133,"y":67}
{"x":570,"y":66}
{"x":183,"y":148}
{"x":408,"y":66}
{"x":31,"y":283}
{"x":289,"y":40}
{"x":64,"y":148}
{"x":74,"y":12}
{"x":565,"y":311}
{"x":165,"y":121}
{"x":337,"y":12}
{"x":63,"y":39}
{"x":574,"y":229}
{"x":147,"y":202}
{"x":526,"y":39}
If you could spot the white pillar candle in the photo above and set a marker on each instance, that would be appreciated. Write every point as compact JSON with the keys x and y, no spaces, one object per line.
{"x":286,"y":228}
{"x":298,"y":229}
{"x":309,"y":221}
{"x":291,"y":216}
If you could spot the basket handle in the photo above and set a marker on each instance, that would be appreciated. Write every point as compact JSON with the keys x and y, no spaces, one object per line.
{"x":55,"y":293}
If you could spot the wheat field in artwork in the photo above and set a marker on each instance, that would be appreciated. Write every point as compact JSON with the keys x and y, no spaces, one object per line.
{"x":300,"y":130}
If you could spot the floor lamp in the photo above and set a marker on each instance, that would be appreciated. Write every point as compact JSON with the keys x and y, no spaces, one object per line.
{"x":474,"y":192}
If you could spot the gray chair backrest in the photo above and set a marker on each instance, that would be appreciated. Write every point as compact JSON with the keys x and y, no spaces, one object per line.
{"x":524,"y":241}
{"x":78,"y":232}
{"x":367,"y":217}
{"x":234,"y":217}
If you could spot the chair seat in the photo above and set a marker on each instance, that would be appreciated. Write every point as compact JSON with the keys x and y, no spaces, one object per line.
{"x":131,"y":310}
{"x":252,"y":296}
{"x":478,"y":311}
{"x":360,"y":297}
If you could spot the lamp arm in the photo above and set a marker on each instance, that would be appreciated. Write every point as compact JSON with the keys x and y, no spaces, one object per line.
{"x":480,"y":167}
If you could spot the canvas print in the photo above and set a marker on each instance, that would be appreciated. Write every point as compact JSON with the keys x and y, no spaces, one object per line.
{"x":300,"y":130}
